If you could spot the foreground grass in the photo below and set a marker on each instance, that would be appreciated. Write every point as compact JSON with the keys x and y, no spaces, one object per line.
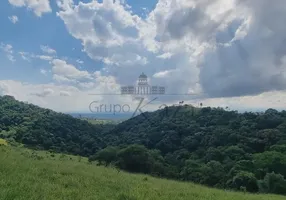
{"x":41,"y":175}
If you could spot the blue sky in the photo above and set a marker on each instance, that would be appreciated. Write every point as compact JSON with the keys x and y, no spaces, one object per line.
{"x":224,"y":52}
{"x":31,"y":31}
{"x":28,"y":34}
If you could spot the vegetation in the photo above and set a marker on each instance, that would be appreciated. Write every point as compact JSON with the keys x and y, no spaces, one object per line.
{"x":36,"y":175}
{"x":3,"y":142}
{"x":45,"y":129}
{"x":209,"y":146}
{"x":102,"y":121}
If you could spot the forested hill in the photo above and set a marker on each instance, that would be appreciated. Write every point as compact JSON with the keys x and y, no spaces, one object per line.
{"x":210,"y":146}
{"x":45,"y":129}
{"x":194,"y":129}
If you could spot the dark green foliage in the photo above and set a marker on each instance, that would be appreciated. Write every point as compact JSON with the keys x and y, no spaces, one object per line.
{"x":211,"y":146}
{"x":271,"y":161}
{"x":213,"y":174}
{"x":45,"y":129}
{"x":135,"y":158}
{"x":245,"y":180}
{"x":106,"y":156}
{"x":279,"y":148}
{"x":273,"y":183}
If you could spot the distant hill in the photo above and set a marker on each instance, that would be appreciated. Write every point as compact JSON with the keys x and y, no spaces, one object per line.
{"x":102,"y":116}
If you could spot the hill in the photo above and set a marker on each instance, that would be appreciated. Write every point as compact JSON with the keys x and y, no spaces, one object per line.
{"x":35,"y":175}
{"x":209,"y":146}
{"x":45,"y":129}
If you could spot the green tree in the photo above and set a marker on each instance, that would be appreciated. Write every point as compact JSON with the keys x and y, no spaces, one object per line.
{"x":106,"y":155}
{"x":273,"y":183}
{"x":245,"y":180}
{"x":135,"y":158}
{"x":270,"y":161}
{"x":213,"y":174}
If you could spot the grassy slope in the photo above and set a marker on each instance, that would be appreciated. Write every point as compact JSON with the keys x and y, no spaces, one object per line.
{"x":23,"y":176}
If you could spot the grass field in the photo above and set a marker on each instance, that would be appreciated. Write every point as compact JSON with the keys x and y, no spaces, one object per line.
{"x":28,"y":175}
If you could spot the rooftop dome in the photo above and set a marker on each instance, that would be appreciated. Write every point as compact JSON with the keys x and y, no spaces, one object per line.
{"x":142,"y":76}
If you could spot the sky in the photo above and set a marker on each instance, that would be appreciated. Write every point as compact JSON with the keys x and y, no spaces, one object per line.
{"x":66,"y":54}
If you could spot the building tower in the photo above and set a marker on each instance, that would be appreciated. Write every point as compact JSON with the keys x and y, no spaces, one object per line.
{"x":143,"y":87}
{"x":143,"y":80}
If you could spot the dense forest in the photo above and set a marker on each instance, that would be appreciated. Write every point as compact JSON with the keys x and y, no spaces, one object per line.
{"x":45,"y":129}
{"x":210,"y":146}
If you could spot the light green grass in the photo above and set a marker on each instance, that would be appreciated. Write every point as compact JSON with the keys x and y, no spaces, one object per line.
{"x":3,"y":142}
{"x":32,"y":176}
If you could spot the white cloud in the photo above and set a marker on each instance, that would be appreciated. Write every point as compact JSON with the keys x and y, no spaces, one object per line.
{"x":79,"y":61}
{"x":11,"y":58}
{"x":25,"y":56}
{"x":64,"y":72}
{"x":125,"y":43}
{"x":65,"y":93}
{"x":43,"y":71}
{"x":44,"y":57}
{"x":48,"y":50}
{"x":70,"y":99}
{"x":228,"y":47}
{"x":165,"y":55}
{"x":162,"y":74}
{"x":8,"y":50}
{"x":123,"y":61}
{"x":46,"y":92}
{"x":62,"y":98}
{"x":14,"y":19}
{"x":221,"y":48}
{"x":39,"y":7}
{"x":103,"y":28}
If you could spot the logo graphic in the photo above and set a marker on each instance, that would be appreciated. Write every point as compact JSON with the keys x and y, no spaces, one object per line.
{"x":94,"y":107}
{"x":140,"y":92}
{"x":143,"y":88}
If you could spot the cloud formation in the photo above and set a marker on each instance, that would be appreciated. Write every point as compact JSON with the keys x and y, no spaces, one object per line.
{"x":8,"y":50}
{"x":249,"y":54}
{"x":39,"y":7}
{"x":221,"y":50}
{"x":48,"y":50}
{"x":14,"y":19}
